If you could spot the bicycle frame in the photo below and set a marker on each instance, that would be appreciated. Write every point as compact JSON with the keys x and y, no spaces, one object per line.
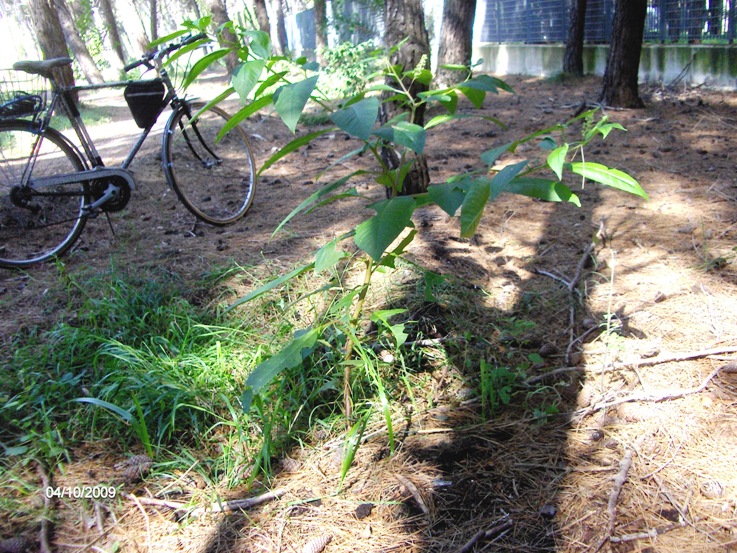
{"x":62,"y":98}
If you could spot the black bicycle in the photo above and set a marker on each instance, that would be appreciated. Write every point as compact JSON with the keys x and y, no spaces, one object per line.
{"x":50,"y":187}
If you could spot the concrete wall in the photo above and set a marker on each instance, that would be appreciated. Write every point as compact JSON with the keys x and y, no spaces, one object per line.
{"x":713,"y":66}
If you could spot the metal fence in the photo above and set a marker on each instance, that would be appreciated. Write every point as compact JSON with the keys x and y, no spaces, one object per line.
{"x":667,"y":21}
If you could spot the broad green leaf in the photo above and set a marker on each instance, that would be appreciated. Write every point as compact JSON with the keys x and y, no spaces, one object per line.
{"x":556,"y":160}
{"x":445,"y":118}
{"x":454,"y":67}
{"x":608,"y":177}
{"x":482,"y":82}
{"x":203,"y":64}
{"x":410,"y":136}
{"x":447,"y":97}
{"x":473,"y":206}
{"x":215,"y":101}
{"x":489,"y":157}
{"x":358,"y":119}
{"x":167,"y":38}
{"x":259,"y":43}
{"x":291,"y":100}
{"x":389,"y":259}
{"x":376,"y":234}
{"x":185,"y":50}
{"x":397,"y":330}
{"x":271,"y":285}
{"x":548,"y":143}
{"x":243,"y":114}
{"x":324,"y":191}
{"x":245,"y":77}
{"x":327,"y":256}
{"x":288,"y":357}
{"x":448,"y":196}
{"x":543,"y":189}
{"x":295,"y":144}
{"x":269,"y":81}
{"x":475,"y":96}
{"x":504,"y":176}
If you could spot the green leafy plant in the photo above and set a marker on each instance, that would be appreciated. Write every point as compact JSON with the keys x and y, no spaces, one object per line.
{"x":264,"y":81}
{"x":497,"y":385}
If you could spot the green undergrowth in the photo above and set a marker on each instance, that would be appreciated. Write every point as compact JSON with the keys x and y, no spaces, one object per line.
{"x":151,"y":363}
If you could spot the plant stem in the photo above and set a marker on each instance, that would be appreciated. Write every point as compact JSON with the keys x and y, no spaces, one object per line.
{"x":352,"y":341}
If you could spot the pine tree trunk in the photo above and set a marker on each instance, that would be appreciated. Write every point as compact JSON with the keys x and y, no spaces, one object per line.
{"x":406,"y":19}
{"x":456,"y":34}
{"x":620,"y":78}
{"x":262,"y":15}
{"x":573,"y":57}
{"x":321,"y":28}
{"x":111,"y":26}
{"x":50,"y":35}
{"x":77,"y":45}
{"x":154,"y":20}
{"x":281,"y":29}
{"x":226,"y":37}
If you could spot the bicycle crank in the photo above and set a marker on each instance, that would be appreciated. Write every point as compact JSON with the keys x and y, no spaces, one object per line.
{"x":110,"y":195}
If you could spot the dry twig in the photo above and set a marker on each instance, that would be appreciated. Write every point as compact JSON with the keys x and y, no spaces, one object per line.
{"x":216,"y":507}
{"x":665,"y":396}
{"x":619,"y":480}
{"x":485,"y":535}
{"x":46,"y":524}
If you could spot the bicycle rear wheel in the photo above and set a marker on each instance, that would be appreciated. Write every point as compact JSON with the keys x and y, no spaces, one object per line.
{"x":214,"y":178}
{"x":37,"y":224}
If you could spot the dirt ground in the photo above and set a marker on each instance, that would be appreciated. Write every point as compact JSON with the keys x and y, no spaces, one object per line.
{"x":643,"y":458}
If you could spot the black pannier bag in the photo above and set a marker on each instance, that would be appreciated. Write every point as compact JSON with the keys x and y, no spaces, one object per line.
{"x":145,"y":100}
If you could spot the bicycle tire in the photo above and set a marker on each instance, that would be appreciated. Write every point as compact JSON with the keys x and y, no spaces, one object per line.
{"x":214,"y":178}
{"x":35,"y":227}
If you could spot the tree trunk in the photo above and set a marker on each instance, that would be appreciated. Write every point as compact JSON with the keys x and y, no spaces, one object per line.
{"x":405,"y":19}
{"x":50,"y":36}
{"x":77,"y":45}
{"x":226,"y":37}
{"x":321,"y":29}
{"x":154,"y":21}
{"x":620,"y":78}
{"x":111,"y":26}
{"x":282,"y":43}
{"x":262,"y":16}
{"x":573,"y":57}
{"x":456,"y":34}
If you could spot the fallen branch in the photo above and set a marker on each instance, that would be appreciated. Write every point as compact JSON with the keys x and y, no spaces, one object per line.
{"x":137,"y":501}
{"x":46,"y":524}
{"x":667,"y":396}
{"x":216,"y":507}
{"x":572,"y":287}
{"x":651,"y":534}
{"x":676,"y":357}
{"x":619,"y":480}
{"x":485,"y":535}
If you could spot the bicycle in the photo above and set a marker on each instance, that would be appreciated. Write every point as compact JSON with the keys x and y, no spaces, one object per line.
{"x":50,"y":187}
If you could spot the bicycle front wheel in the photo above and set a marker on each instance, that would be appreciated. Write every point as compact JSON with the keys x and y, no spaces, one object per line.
{"x":215,"y":178}
{"x":37,"y":223}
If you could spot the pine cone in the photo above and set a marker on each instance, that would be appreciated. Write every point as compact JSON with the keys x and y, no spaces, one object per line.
{"x":317,"y":545}
{"x":134,"y":469}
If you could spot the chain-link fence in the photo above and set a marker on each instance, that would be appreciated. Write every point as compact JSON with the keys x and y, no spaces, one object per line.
{"x":544,"y":21}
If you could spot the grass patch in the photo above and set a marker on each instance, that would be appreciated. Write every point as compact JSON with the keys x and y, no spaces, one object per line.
{"x":152,"y":364}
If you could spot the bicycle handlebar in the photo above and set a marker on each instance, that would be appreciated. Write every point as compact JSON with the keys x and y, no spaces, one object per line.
{"x":147,"y":58}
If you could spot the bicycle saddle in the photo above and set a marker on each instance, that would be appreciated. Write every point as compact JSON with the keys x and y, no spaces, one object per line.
{"x":43,"y":68}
